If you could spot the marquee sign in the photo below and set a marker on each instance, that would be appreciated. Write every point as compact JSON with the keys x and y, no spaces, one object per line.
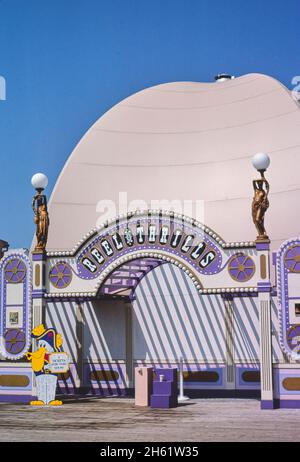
{"x":170,"y":235}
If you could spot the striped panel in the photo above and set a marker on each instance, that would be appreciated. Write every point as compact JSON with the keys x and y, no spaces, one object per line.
{"x":246,"y":330}
{"x":171,"y":319}
{"x":61,"y":316}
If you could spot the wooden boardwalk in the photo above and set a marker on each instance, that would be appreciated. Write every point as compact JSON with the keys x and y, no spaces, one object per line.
{"x":115,"y":419}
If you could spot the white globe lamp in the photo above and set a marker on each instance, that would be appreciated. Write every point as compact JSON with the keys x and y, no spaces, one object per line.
{"x":261,"y":161}
{"x":39,"y":181}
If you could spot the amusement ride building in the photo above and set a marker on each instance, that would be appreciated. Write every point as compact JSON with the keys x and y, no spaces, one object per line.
{"x":152,"y":285}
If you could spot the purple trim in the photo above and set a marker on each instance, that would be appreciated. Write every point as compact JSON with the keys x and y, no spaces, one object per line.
{"x":288,"y":403}
{"x":280,"y":375}
{"x":274,"y":256}
{"x":16,"y":398}
{"x":39,"y":256}
{"x":245,"y":294}
{"x":241,"y":384}
{"x":267,"y":404}
{"x":38,"y":293}
{"x":262,"y":245}
{"x":264,"y":287}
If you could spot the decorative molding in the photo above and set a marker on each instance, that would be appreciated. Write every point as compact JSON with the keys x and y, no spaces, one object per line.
{"x":150,"y":213}
{"x":282,"y":272}
{"x":26,"y":306}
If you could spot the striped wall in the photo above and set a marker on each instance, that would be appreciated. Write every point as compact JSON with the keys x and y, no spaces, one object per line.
{"x":62,"y":316}
{"x":170,"y":319}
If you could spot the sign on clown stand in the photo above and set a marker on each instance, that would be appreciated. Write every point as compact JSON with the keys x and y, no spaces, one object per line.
{"x":47,"y":361}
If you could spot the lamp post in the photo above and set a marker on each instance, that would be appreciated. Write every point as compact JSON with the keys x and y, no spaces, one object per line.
{"x":39,"y":205}
{"x":260,"y":204}
{"x":261,"y":187}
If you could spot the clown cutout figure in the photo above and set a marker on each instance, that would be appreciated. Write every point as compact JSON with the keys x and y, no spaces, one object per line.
{"x":47,"y":361}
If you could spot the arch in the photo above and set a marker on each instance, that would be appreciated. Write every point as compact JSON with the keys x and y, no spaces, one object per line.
{"x":144,"y":263}
{"x":162,"y":236}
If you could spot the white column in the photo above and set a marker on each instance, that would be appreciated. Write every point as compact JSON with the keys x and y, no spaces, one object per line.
{"x":264,"y":305}
{"x":129,"y":345}
{"x":79,"y":314}
{"x":229,"y":341}
{"x":38,"y":288}
{"x":38,"y":292}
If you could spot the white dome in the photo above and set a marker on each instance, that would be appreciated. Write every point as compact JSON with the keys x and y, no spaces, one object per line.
{"x":187,"y":141}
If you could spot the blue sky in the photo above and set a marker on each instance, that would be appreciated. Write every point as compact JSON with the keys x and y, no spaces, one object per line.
{"x":66,"y":62}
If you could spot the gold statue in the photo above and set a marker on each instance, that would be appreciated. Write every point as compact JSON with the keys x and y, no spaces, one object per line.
{"x":41,"y":220}
{"x":260,"y":204}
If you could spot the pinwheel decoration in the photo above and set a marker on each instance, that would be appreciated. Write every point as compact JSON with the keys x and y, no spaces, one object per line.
{"x":60,"y":275}
{"x":292,"y":259}
{"x":14,"y":341}
{"x":241,"y":267}
{"x":14,"y":271}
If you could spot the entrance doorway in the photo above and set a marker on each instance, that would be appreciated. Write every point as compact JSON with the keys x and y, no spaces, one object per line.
{"x":148,"y":312}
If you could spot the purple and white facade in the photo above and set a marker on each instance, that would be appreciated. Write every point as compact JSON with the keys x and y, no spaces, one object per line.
{"x":149,"y":287}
